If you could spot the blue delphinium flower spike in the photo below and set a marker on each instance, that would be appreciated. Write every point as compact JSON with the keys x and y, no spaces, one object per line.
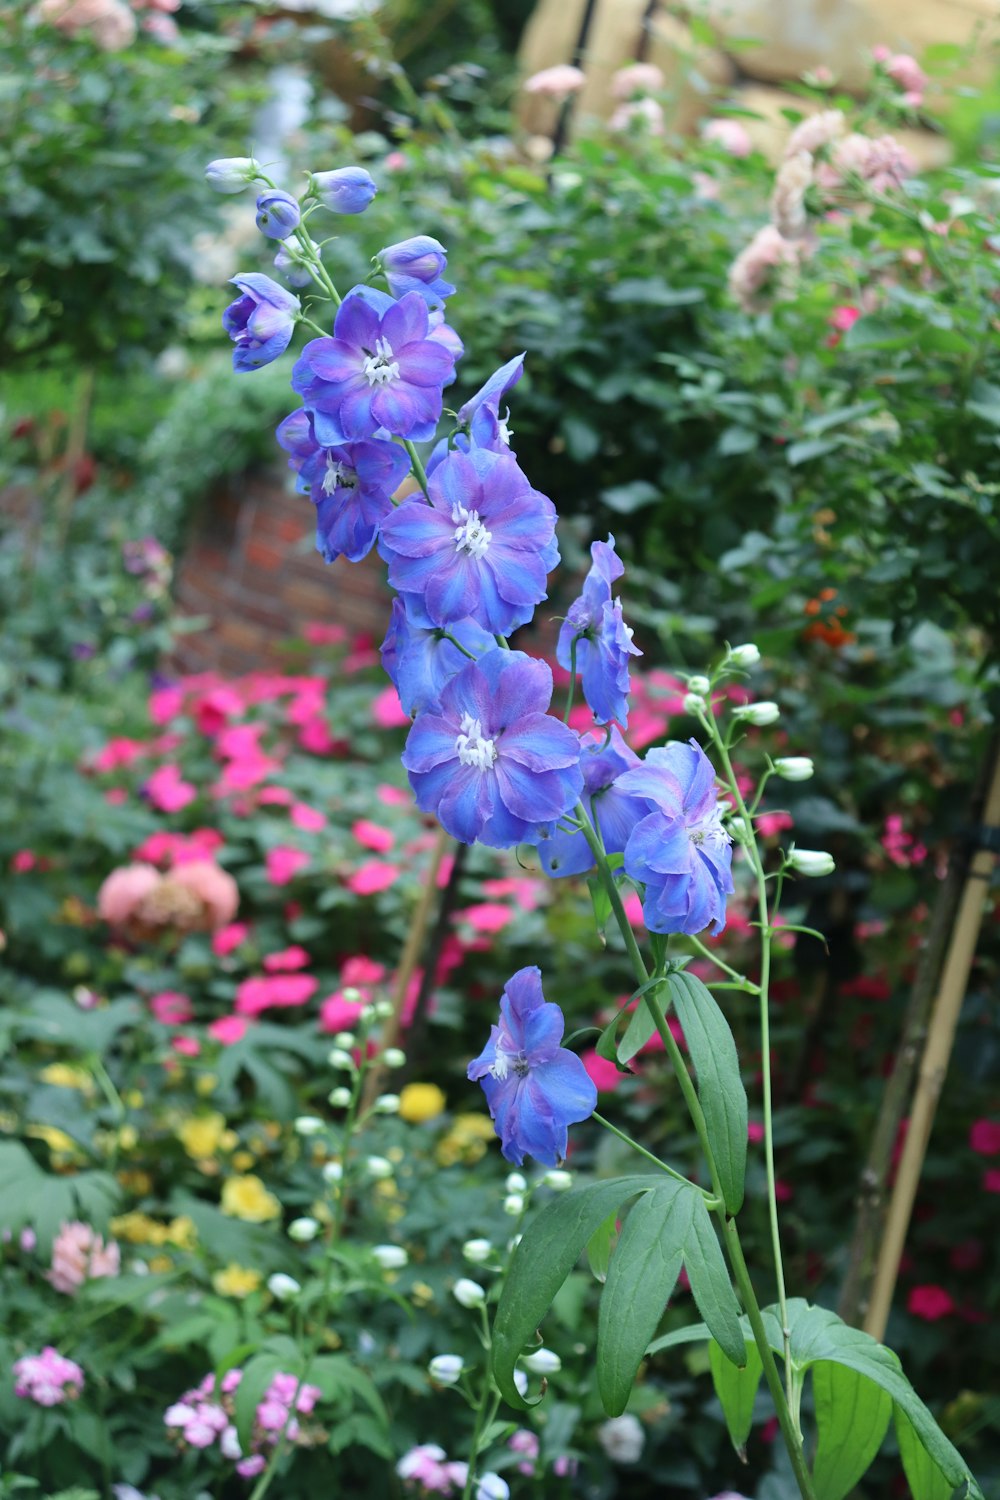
{"x":260,"y":322}
{"x":614,"y":813}
{"x":603,"y":640}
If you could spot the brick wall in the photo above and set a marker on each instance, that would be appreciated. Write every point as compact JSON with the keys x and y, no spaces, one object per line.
{"x":252,"y":569}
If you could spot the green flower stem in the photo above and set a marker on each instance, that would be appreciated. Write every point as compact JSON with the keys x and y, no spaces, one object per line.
{"x":766,"y":934}
{"x":789,"y":1430}
{"x":419,"y":472}
{"x":319,"y":274}
{"x":489,"y":1405}
{"x":742,"y":983}
{"x":571,"y":690}
{"x":447,"y":636}
{"x":314,"y":326}
{"x":678,"y":1176}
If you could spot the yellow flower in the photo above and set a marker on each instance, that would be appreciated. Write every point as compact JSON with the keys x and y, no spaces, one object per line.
{"x":421,"y":1293}
{"x":128,"y":1137}
{"x":466,"y":1140}
{"x":236,"y":1281}
{"x":243,"y":1160}
{"x":138,"y":1183}
{"x":161,"y":1263}
{"x":68,"y":1076}
{"x":421,"y":1101}
{"x":205,"y":1084}
{"x":182,"y":1233}
{"x":58,"y":1142}
{"x":247,"y":1198}
{"x":138,"y":1229}
{"x":133,"y":1099}
{"x":201,"y":1135}
{"x":228,"y":1140}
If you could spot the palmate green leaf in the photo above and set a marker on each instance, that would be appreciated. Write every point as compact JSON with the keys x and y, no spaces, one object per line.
{"x":720,"y":1087}
{"x":710,"y":1284}
{"x":549,"y":1250}
{"x":736,"y":1390}
{"x":642,"y":1274}
{"x":33,"y":1196}
{"x":852,"y":1415}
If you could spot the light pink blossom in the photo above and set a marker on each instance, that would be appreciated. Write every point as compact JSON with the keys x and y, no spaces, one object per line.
{"x":284,"y":863}
{"x":646,"y":114}
{"x":47,"y":1378}
{"x":556,"y":82}
{"x":766,"y":252}
{"x":816,"y":133}
{"x":214,"y":887}
{"x":729,"y":135}
{"x":123,"y":892}
{"x":79,"y":1255}
{"x":637,"y":78}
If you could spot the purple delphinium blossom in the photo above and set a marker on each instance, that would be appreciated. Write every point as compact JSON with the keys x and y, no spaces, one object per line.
{"x":421,"y":659}
{"x":351,"y":485}
{"x":613,"y":812}
{"x":490,"y":761}
{"x":380,"y":369}
{"x":603,"y":640}
{"x":416,"y":265}
{"x":534,"y":1087}
{"x":260,"y":322}
{"x":484,"y":426}
{"x":492,"y":392}
{"x":278,"y":214}
{"x":346,"y":190}
{"x":680,"y":851}
{"x":483,"y":547}
{"x":295,"y":272}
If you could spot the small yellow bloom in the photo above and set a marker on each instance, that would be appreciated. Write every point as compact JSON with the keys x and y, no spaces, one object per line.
{"x":58,"y":1142}
{"x":236,"y":1281}
{"x":243,"y":1160}
{"x":247,"y":1198}
{"x":466,"y":1141}
{"x":182,"y":1233}
{"x":228,"y":1140}
{"x":206,"y":1084}
{"x":138,"y":1229}
{"x":421,"y":1293}
{"x":161,"y":1263}
{"x":421,"y":1101}
{"x":140,"y":1184}
{"x":201,"y":1135}
{"x":128,"y":1138}
{"x":133,"y":1099}
{"x":67,"y":1076}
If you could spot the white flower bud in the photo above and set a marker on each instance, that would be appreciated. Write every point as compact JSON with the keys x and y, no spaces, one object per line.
{"x":743,"y":656}
{"x":231,"y":174}
{"x":520,"y":1382}
{"x":478,"y":1251}
{"x":351,"y":995}
{"x":332,"y":1171}
{"x":393,"y":1057}
{"x":378,"y":1167}
{"x":383,"y":1009}
{"x":698,"y":685}
{"x":794,"y":767}
{"x":513,"y":1243}
{"x":309,"y":1125}
{"x":513,"y":1204}
{"x":516,"y":1183}
{"x":368,"y":1014}
{"x":542,"y":1362}
{"x":558,"y":1180}
{"x":760,"y":714}
{"x":492,"y":1487}
{"x":303,"y":1230}
{"x":346,"y":1039}
{"x":386,"y":1104}
{"x":283,"y":1287}
{"x":339,"y":1098}
{"x":694,"y":703}
{"x":445,"y":1369}
{"x":390,"y":1257}
{"x":811,"y":862}
{"x":469,"y":1293}
{"x":338,"y":1058}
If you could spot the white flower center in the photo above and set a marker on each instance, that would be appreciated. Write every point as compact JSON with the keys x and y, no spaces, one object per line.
{"x":380,"y":368}
{"x":470,"y":532}
{"x":338,"y":476}
{"x":504,"y":1061}
{"x":504,"y":432}
{"x":710,"y":830}
{"x":473,"y":748}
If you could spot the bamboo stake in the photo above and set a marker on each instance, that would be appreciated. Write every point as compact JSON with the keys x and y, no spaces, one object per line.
{"x":934,"y":1065}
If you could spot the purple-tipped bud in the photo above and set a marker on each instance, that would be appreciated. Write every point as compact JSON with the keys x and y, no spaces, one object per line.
{"x":278,"y":214}
{"x":348,"y":190}
{"x":294,"y":272}
{"x":417,"y":265}
{"x":231,"y":174}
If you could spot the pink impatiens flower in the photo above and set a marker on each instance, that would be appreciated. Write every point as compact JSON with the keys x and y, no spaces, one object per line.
{"x":171,"y":1008}
{"x":984,"y":1137}
{"x":371,"y":877}
{"x":168,"y":791}
{"x":373,"y":835}
{"x":229,"y":937}
{"x":930,"y":1303}
{"x":287,"y":960}
{"x":228,"y":1029}
{"x":284,"y":863}
{"x":47,"y":1378}
{"x":274,"y":991}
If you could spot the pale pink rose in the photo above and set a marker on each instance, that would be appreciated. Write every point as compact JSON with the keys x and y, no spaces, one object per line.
{"x":284,"y":863}
{"x":123,"y":892}
{"x":788,"y":201}
{"x":171,"y":1008}
{"x":637,"y":78}
{"x":729,"y":135}
{"x":47,"y":1378}
{"x":766,"y":252}
{"x":160,"y":27}
{"x":229,"y":938}
{"x":372,"y":877}
{"x":881,"y":53}
{"x":647,"y":114}
{"x":78,"y":1255}
{"x":882,"y":161}
{"x":228,"y":1029}
{"x":816,"y":133}
{"x":373,"y":835}
{"x":557,"y":82}
{"x":907,"y":72}
{"x":111,"y":23}
{"x":214,"y":887}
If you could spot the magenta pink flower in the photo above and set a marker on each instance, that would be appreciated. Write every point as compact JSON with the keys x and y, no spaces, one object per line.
{"x":168,"y":791}
{"x":187,"y":1046}
{"x":984,"y":1137}
{"x":373,"y":835}
{"x":309,"y":819}
{"x":79,"y":1255}
{"x":930,"y":1303}
{"x":47,"y":1378}
{"x":371,"y":877}
{"x":229,"y":937}
{"x":276,"y":991}
{"x":117,"y":753}
{"x":166,"y":704}
{"x":337,"y":1013}
{"x":361,"y":970}
{"x":991,"y":1181}
{"x":284,"y":863}
{"x":228,"y":1029}
{"x":392,"y":796}
{"x":171,"y":1008}
{"x":387,"y":711}
{"x":602,"y":1073}
{"x":287,"y":960}
{"x":486,"y":916}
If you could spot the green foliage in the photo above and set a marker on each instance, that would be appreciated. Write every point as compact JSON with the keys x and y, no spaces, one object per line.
{"x":720,"y":1087}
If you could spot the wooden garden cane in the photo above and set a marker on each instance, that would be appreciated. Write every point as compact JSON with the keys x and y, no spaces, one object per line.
{"x":934,"y":1063}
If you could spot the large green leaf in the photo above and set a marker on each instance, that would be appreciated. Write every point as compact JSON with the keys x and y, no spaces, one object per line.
{"x":736,"y":1390}
{"x":852,"y":1415}
{"x":33,"y":1196}
{"x":549,"y":1250}
{"x":641,"y":1276}
{"x":720,"y":1086}
{"x":710,"y":1284}
{"x":922,"y":1474}
{"x":695,"y":1333}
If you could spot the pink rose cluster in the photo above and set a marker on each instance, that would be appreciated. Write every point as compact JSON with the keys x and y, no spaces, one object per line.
{"x":142,"y":902}
{"x":112,"y":25}
{"x":79,"y":1255}
{"x":48,"y":1378}
{"x":429,"y":1468}
{"x":203,"y":1418}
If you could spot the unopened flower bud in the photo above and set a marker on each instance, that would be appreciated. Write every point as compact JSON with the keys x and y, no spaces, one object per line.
{"x":378,"y":1167}
{"x":393,"y":1057}
{"x":513,"y":1204}
{"x":694,"y":703}
{"x":303,"y":1230}
{"x":478,"y":1251}
{"x":794,"y":767}
{"x":390,"y":1257}
{"x":542,"y":1362}
{"x":811,"y":862}
{"x":278,"y":214}
{"x":332,"y":1171}
{"x":558,"y":1180}
{"x":492,"y":1487}
{"x":346,"y":190}
{"x":231,"y":174}
{"x":352,"y":995}
{"x":516,"y":1183}
{"x":295,"y":272}
{"x":760,"y":714}
{"x":346,"y":1039}
{"x":383,"y":1009}
{"x":743,"y":656}
{"x":520,"y":1382}
{"x":386,"y":1104}
{"x":339,"y":1098}
{"x":469,"y":1293}
{"x":338,"y":1058}
{"x":283,"y":1287}
{"x":309,"y":1125}
{"x":698,"y":685}
{"x":446,"y":1369}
